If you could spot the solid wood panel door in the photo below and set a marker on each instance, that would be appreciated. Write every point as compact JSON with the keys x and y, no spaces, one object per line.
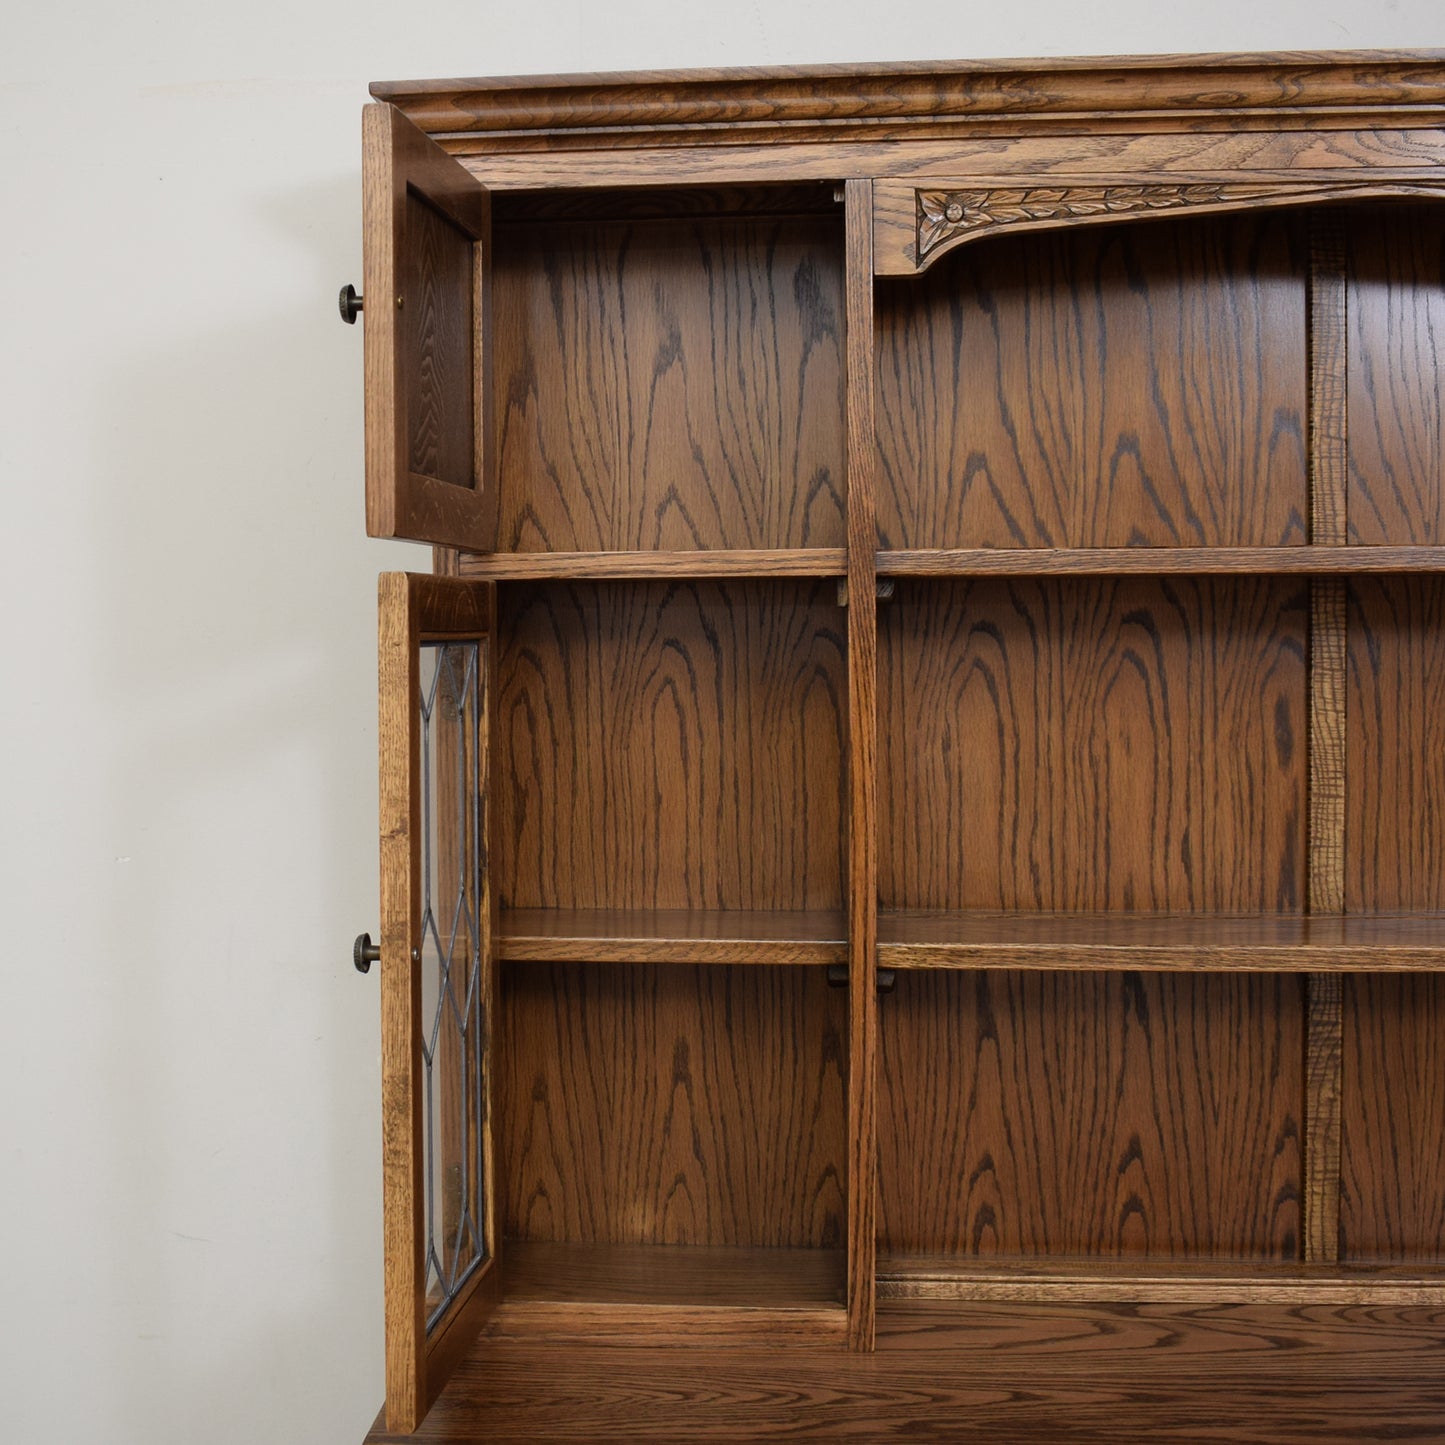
{"x":427,"y":270}
{"x":438,"y":990}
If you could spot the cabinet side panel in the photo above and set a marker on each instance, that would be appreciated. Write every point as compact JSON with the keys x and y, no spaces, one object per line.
{"x":1091,"y":1114}
{"x":1124,"y":386}
{"x":1396,"y":355}
{"x":1394,"y":759}
{"x":673,"y":1105}
{"x":669,"y":384}
{"x":1131,"y":744}
{"x":1392,"y":1195}
{"x":670,"y":745}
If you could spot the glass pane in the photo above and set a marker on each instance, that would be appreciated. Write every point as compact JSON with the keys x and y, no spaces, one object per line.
{"x":451,"y":966}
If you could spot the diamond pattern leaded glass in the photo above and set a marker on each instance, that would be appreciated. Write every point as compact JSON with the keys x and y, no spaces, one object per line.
{"x":451,"y":968}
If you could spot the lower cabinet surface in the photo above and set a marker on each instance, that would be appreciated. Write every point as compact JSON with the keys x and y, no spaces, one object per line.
{"x":998,"y":1372}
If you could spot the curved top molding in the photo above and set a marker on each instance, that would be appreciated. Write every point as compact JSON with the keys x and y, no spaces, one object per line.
{"x":915,"y":225}
{"x":922,"y":101}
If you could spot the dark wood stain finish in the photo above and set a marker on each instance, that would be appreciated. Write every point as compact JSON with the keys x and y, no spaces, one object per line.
{"x":1392,"y":1196}
{"x":1120,"y":1114}
{"x":1394,"y":760}
{"x":672,"y":1106}
{"x":1396,"y":352}
{"x":671,"y":385}
{"x":1076,"y":745}
{"x":1136,"y":385}
{"x":437,"y":326}
{"x":1190,"y":942}
{"x":670,"y":745}
{"x":1323,"y":561}
{"x":1092,"y":1374}
{"x":1054,"y":629}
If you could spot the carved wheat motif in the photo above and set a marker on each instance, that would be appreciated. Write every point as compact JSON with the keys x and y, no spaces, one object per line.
{"x":943,"y":215}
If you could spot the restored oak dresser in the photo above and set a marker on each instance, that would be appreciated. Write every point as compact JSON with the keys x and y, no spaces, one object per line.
{"x":912,"y":794}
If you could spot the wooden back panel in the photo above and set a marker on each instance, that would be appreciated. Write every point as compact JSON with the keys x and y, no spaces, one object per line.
{"x":670,"y":745}
{"x":1392,"y":1195}
{"x":1394,"y":750}
{"x":1123,"y":386}
{"x":1396,"y":354}
{"x":670,"y":384}
{"x":1048,"y":1115}
{"x":672,"y":1105}
{"x":1135,"y":744}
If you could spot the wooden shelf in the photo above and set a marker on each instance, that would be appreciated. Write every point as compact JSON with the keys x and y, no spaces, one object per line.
{"x":685,"y":1293}
{"x":756,"y":562}
{"x":671,"y":1274}
{"x":552,"y":935}
{"x":1089,"y":1373}
{"x":1155,"y":561}
{"x":947,"y":1277}
{"x":1358,"y":942}
{"x":1163,"y":1282}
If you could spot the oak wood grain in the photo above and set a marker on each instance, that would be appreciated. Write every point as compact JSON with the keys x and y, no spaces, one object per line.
{"x":862,"y":769}
{"x":646,"y":1294}
{"x":1392,"y":1205}
{"x":1136,"y":745}
{"x":427,"y":271}
{"x":771,"y":105}
{"x":624,"y":1274}
{"x":1028,"y":1115}
{"x":1328,"y":703}
{"x":1322,"y":1121}
{"x":410,"y":608}
{"x":403,"y":1196}
{"x":656,"y":203}
{"x":671,"y":745}
{"x":1140,"y":386}
{"x":1396,"y":351}
{"x":1256,"y":146}
{"x":669,"y":385}
{"x":1205,"y":1282}
{"x":1150,"y":720}
{"x":982,"y":938}
{"x":603,"y":935}
{"x":917,"y":224}
{"x":1329,"y":369}
{"x":713,"y":562}
{"x":455,"y":1334}
{"x":1395,"y":768}
{"x":1093,"y":1373}
{"x":1329,"y":510}
{"x":673,"y":1105}
{"x":1156,"y":561}
{"x":698,"y":1326}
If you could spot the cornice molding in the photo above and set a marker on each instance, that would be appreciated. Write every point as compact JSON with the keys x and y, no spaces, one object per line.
{"x":783,"y":104}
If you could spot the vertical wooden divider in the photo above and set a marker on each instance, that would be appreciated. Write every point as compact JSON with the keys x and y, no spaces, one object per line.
{"x":862,"y":770}
{"x":1328,"y":331}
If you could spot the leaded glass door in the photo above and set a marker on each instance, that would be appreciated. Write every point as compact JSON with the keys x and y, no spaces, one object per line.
{"x":437,"y":980}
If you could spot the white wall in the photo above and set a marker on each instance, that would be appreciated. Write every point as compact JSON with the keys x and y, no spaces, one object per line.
{"x":189,"y":1174}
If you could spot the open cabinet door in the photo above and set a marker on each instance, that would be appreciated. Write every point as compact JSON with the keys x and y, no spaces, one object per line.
{"x":427,"y":264}
{"x":437,"y":981}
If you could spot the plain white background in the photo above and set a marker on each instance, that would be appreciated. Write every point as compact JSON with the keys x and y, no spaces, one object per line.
{"x":189,"y":1159}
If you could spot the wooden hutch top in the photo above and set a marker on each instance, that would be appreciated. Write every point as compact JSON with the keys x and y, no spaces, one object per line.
{"x":862,"y":120}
